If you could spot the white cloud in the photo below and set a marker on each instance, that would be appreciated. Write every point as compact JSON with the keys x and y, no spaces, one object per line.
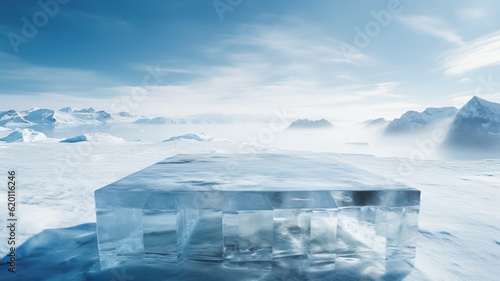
{"x":49,"y":100}
{"x":346,"y":77}
{"x":472,"y":13}
{"x":385,"y":89}
{"x":297,"y":67}
{"x":296,"y":41}
{"x":473,"y":55}
{"x":48,"y":78}
{"x":460,"y":101}
{"x":432,"y":26}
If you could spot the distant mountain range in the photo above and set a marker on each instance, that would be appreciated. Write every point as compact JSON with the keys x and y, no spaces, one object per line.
{"x":413,"y":120}
{"x":374,"y":122}
{"x":207,"y":118}
{"x":73,"y":117}
{"x":61,"y":118}
{"x":476,"y":124}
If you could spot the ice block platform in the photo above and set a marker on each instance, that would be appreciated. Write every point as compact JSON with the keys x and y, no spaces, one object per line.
{"x":257,"y":211}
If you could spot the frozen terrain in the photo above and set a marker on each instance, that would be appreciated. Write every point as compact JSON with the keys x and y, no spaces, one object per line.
{"x":459,"y":223}
{"x":459,"y":226}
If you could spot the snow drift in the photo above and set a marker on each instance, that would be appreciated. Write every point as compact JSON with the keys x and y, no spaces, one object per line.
{"x":197,"y":137}
{"x":95,"y":137}
{"x":24,"y":135}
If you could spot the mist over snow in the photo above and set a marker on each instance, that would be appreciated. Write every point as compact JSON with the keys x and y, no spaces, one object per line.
{"x":474,"y":127}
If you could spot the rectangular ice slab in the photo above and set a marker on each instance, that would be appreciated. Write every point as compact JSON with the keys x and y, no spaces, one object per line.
{"x":260,"y":211}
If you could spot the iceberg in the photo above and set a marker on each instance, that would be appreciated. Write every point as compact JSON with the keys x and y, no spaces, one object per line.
{"x":24,"y":135}
{"x":258,"y":211}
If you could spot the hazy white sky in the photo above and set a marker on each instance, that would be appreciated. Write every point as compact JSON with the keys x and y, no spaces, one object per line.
{"x":340,"y":60}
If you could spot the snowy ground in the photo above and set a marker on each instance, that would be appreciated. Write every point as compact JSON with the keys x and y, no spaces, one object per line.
{"x":459,"y":221}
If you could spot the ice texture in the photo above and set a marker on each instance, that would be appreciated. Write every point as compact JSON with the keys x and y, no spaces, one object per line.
{"x":258,"y":211}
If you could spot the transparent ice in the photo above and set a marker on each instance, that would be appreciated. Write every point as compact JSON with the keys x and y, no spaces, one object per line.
{"x":257,"y":211}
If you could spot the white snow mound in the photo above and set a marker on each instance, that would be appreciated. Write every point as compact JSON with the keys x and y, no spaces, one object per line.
{"x":24,"y":135}
{"x":95,"y":137}
{"x":197,"y":137}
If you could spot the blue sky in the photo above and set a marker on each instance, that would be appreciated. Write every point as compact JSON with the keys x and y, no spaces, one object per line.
{"x":342,"y":60}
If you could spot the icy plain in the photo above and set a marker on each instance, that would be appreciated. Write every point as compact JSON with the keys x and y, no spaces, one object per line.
{"x":459,"y":225}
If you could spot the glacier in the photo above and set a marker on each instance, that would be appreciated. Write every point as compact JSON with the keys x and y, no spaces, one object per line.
{"x":261,"y":211}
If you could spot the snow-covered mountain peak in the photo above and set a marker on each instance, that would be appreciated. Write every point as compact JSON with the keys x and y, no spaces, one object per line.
{"x":310,"y":124}
{"x":68,"y":109}
{"x":412,"y":120}
{"x":480,"y":108}
{"x":11,"y":117}
{"x":41,"y":115}
{"x":477,"y":124}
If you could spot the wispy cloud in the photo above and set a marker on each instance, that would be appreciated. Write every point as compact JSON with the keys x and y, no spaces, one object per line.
{"x":433,"y":27}
{"x":473,"y":13}
{"x":385,"y":89}
{"x":481,"y":52}
{"x":36,"y":78}
{"x":294,"y":41}
{"x":266,"y":67}
{"x":256,"y":70}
